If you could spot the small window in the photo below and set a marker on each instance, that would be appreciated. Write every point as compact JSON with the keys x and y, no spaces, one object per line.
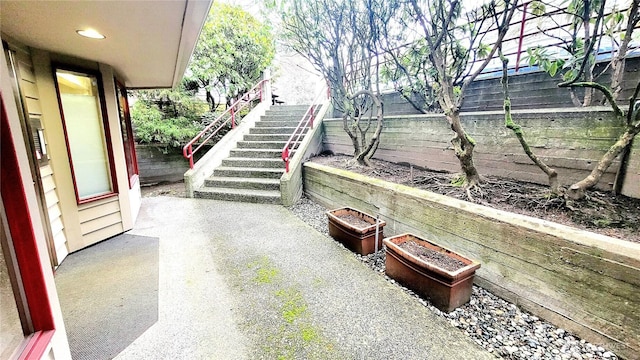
{"x":86,"y":133}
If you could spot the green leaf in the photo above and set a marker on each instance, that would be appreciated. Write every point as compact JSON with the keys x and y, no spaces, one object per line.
{"x":538,"y":8}
{"x":553,"y":69}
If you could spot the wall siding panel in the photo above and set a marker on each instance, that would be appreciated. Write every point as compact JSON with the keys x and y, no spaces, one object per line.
{"x":103,"y":233}
{"x":29,"y":89}
{"x":100,"y":220}
{"x":103,"y":208}
{"x":100,"y":223}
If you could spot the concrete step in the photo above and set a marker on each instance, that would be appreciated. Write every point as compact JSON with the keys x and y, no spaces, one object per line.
{"x":275,"y":130}
{"x":277,"y":123}
{"x":288,"y":108}
{"x":268,"y":173}
{"x":261,"y":144}
{"x":267,"y":137}
{"x":240,"y":195}
{"x":257,"y":153}
{"x":253,"y":163}
{"x":243,"y":183}
{"x":282,"y":117}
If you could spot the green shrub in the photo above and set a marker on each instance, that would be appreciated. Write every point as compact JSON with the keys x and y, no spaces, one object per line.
{"x":153,"y":126}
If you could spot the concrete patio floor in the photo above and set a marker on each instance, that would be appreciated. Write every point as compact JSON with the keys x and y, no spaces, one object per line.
{"x":249,"y":281}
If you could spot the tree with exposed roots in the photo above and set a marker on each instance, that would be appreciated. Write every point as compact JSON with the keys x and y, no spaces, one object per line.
{"x":341,"y":39}
{"x":552,"y":174}
{"x":453,"y":41}
{"x":233,"y":50}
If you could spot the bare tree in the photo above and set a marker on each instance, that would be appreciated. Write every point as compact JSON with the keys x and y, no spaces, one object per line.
{"x":453,"y":43}
{"x":341,"y":38}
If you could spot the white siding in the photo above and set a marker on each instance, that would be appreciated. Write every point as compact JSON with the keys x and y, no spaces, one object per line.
{"x":29,"y":89}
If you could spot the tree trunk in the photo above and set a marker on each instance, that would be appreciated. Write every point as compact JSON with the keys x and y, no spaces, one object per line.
{"x":211,"y":101}
{"x":463,"y":146}
{"x":577,"y":190}
{"x":369,"y":149}
{"x":353,"y":135}
{"x":552,"y":175}
{"x":574,"y":98}
{"x":618,"y":62}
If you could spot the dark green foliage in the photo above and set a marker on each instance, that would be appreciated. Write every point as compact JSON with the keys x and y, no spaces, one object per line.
{"x":170,"y":117}
{"x":233,"y":50}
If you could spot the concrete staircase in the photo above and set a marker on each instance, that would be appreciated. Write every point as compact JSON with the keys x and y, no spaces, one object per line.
{"x":252,"y":171}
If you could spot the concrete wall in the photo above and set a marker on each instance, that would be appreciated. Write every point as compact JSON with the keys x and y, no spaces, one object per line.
{"x":631,"y":179}
{"x":291,"y":182}
{"x":570,"y":140}
{"x":586,"y":283}
{"x":154,"y":165}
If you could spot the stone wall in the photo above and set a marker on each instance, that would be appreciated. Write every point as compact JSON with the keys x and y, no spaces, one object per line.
{"x":586,"y":283}
{"x":569,"y":140}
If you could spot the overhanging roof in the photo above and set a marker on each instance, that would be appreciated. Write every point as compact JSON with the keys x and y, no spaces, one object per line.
{"x":148,"y":42}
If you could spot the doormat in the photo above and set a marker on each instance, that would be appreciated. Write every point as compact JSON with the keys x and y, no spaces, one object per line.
{"x":109,"y":295}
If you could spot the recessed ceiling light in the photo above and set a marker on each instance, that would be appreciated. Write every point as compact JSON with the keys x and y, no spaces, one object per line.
{"x":90,"y":33}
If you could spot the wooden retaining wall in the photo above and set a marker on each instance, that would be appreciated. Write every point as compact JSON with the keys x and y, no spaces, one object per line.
{"x":569,"y":140}
{"x":586,"y":283}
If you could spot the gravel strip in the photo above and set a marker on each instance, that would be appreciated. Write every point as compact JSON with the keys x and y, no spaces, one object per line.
{"x":495,"y":324}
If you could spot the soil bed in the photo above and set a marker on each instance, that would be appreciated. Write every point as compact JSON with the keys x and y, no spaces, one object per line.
{"x":600,"y":212}
{"x":172,"y":189}
{"x":431,"y":256}
{"x":354,"y":221}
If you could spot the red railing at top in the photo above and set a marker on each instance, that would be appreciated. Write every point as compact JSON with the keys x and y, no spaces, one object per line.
{"x":298,"y":133}
{"x":221,"y":121}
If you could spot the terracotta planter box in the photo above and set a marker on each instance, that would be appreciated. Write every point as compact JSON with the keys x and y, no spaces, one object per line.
{"x":357,"y":239}
{"x":445,"y":289}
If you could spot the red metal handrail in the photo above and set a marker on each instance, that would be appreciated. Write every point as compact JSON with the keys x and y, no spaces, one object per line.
{"x":256,"y":92}
{"x":298,"y":133}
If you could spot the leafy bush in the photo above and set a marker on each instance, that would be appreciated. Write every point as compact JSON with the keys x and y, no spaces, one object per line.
{"x":171,"y":117}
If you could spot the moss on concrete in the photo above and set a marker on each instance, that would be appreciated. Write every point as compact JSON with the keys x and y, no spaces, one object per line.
{"x":293,"y":336}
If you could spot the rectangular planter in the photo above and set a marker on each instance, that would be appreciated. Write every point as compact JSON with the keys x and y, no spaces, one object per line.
{"x":359,"y":240}
{"x":445,"y":289}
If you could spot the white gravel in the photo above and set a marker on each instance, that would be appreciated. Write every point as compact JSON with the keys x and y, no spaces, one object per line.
{"x":495,"y":324}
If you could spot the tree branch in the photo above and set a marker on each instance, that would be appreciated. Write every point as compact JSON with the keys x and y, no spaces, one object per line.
{"x":585,"y":60}
{"x":594,"y":85}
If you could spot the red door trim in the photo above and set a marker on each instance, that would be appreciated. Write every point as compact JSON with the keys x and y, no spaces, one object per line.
{"x":37,"y":345}
{"x":22,"y":233}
